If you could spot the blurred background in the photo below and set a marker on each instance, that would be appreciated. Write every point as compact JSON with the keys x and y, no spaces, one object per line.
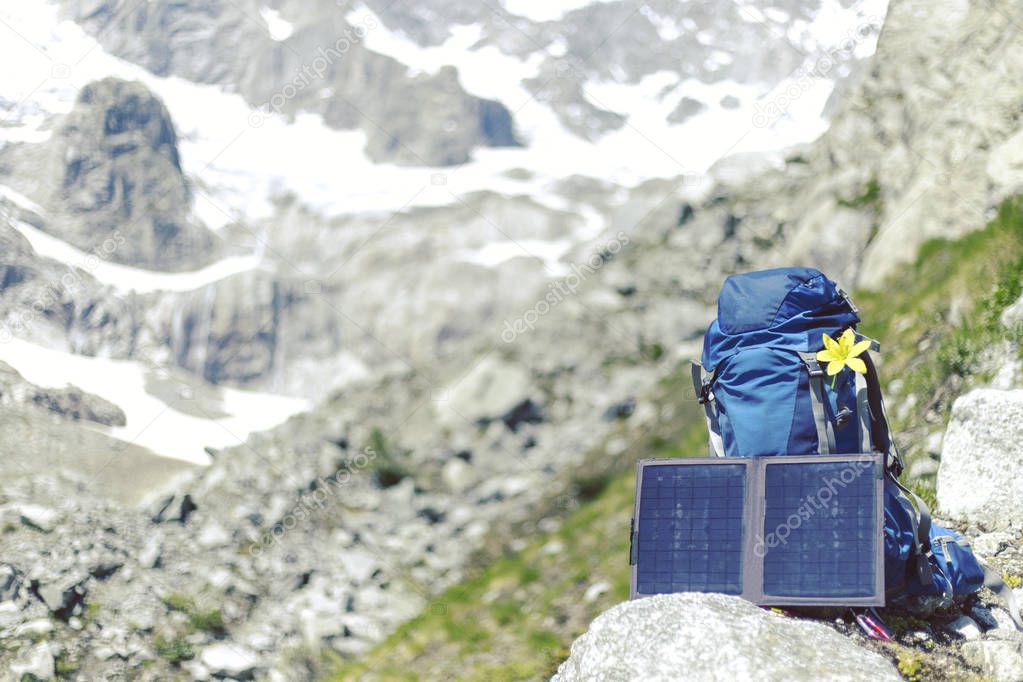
{"x":331,"y":331}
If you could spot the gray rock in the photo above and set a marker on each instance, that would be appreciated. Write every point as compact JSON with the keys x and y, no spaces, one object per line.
{"x":713,"y":637}
{"x":41,"y":518}
{"x":35,"y":663}
{"x":75,"y":404}
{"x":988,"y":545}
{"x":119,"y":189}
{"x":488,"y":391}
{"x":965,"y":627}
{"x":457,"y":475}
{"x":61,"y":599}
{"x":1001,"y":660}
{"x":1013,"y":315}
{"x":229,"y":660}
{"x":10,"y":583}
{"x":35,"y":628}
{"x":149,"y":556}
{"x":213,"y":535}
{"x":979,"y":478}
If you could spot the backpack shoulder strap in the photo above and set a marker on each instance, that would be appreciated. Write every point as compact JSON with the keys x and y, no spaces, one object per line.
{"x":703,"y":384}
{"x":880,"y":431}
{"x":825,"y":430}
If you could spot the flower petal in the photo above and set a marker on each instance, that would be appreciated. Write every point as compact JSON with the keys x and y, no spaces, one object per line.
{"x":859,"y":348}
{"x":857,"y":365}
{"x":830,"y":343}
{"x":834,"y":367}
{"x":848,"y":338}
{"x":826,"y":356}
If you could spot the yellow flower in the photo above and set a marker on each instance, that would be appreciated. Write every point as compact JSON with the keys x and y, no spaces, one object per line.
{"x":843,"y":353}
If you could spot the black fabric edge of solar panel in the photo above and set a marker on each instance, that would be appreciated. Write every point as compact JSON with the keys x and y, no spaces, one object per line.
{"x":754,"y":517}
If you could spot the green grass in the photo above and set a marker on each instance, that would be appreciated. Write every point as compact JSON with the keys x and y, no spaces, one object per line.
{"x":211,"y":621}
{"x":870,"y":197}
{"x":939,"y":324}
{"x":174,"y":649}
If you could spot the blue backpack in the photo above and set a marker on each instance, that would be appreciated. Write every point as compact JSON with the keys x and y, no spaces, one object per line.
{"x":765,"y":393}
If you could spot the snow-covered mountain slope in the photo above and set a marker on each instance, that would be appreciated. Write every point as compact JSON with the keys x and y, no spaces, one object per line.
{"x":605,"y":100}
{"x":241,"y":154}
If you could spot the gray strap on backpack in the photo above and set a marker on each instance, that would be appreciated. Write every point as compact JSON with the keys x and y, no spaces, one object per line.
{"x":921,"y":532}
{"x":863,"y":413}
{"x":994,"y":582}
{"x":825,"y":431}
{"x":703,"y":385}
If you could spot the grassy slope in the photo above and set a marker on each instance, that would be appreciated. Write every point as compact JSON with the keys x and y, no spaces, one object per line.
{"x":515,"y":620}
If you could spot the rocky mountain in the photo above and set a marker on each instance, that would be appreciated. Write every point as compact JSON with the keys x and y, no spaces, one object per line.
{"x":394,"y":278}
{"x":112,"y":178}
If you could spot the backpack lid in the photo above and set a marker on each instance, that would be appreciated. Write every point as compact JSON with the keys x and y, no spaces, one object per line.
{"x":784,"y":308}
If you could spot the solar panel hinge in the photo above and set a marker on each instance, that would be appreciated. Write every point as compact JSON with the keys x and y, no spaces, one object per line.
{"x":633,"y":543}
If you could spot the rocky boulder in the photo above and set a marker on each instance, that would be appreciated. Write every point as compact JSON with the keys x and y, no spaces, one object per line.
{"x":979,"y":478}
{"x":116,"y":182}
{"x":713,"y":637}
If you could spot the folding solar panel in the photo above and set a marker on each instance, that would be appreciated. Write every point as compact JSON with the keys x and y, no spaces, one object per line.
{"x":774,"y":530}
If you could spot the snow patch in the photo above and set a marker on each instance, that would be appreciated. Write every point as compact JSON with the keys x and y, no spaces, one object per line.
{"x":278,"y":28}
{"x":152,"y":423}
{"x":546,"y":10}
{"x":549,"y":252}
{"x":124,"y":278}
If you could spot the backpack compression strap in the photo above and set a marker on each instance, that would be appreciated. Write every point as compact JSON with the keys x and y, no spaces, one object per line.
{"x":994,"y":582}
{"x":825,"y":431}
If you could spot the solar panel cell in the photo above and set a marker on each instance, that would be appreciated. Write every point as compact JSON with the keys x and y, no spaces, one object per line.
{"x":691,"y":529}
{"x":820,"y":523}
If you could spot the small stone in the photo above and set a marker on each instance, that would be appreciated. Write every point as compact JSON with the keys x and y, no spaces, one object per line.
{"x":213,"y":535}
{"x":595,"y":591}
{"x":149,"y":556}
{"x":10,"y":583}
{"x":41,"y":518}
{"x":35,"y":628}
{"x":554,"y":547}
{"x":197,"y":670}
{"x":932,"y":446}
{"x":229,"y":660}
{"x":990,"y":544}
{"x":924,"y":466}
{"x":104,"y":653}
{"x":965,"y":627}
{"x":457,"y":475}
{"x":36,"y":663}
{"x":358,"y":565}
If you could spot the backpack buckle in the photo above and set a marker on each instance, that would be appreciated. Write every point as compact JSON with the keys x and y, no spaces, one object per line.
{"x":813,"y":366}
{"x":702,"y":384}
{"x":848,"y":301}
